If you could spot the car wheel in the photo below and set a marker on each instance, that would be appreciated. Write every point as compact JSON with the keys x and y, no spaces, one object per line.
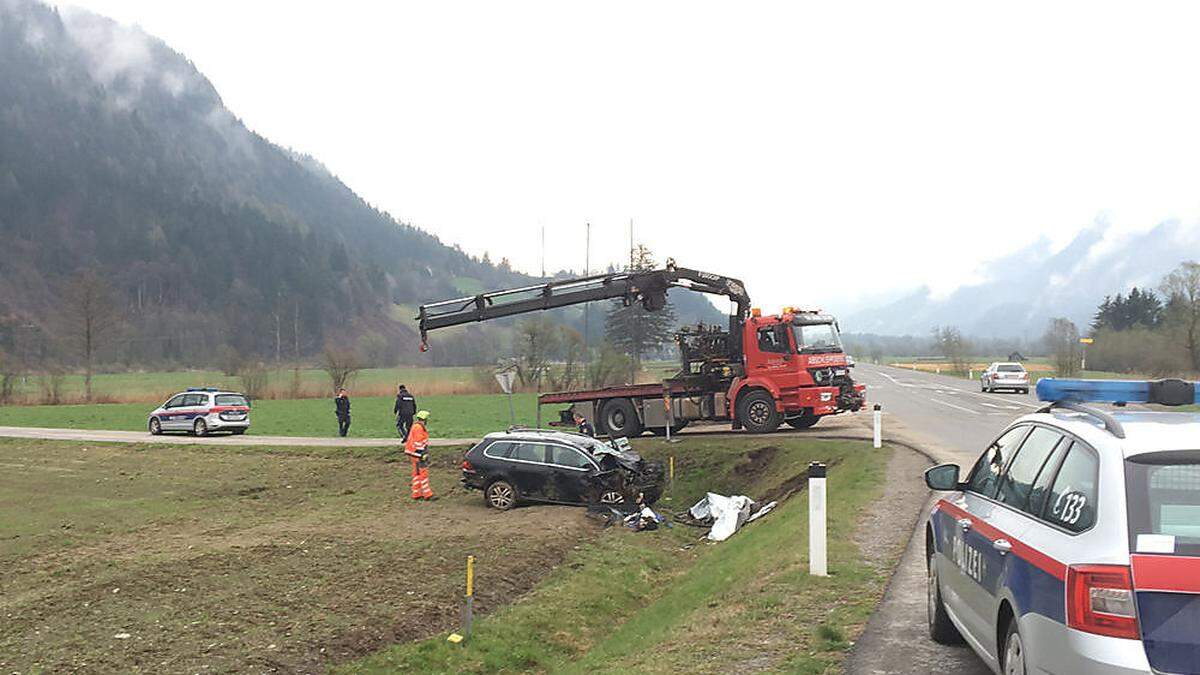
{"x":200,"y":428}
{"x":803,"y":421}
{"x":757,"y":413}
{"x":619,"y":418}
{"x":500,"y":495}
{"x":941,"y":628}
{"x":155,"y":427}
{"x":1012,"y":661}
{"x":612,"y":497}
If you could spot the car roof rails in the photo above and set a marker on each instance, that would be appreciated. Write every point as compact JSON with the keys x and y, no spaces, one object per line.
{"x":1110,"y":423}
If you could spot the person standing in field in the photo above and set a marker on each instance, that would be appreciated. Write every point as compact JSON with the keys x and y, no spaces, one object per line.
{"x":405,"y":408}
{"x":342,"y":410}
{"x":417,"y":449}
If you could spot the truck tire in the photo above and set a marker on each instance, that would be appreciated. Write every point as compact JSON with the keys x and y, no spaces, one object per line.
{"x":756,"y":411}
{"x":619,"y":418}
{"x":803,"y":421}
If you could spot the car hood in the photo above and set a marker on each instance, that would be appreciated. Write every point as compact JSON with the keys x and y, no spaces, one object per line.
{"x":626,"y":458}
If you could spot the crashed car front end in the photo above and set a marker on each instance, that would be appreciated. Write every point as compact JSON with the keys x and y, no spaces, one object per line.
{"x":627,"y":472}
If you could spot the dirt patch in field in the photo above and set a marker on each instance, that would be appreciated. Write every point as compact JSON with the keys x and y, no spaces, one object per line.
{"x":755,"y":462}
{"x":220,"y":562}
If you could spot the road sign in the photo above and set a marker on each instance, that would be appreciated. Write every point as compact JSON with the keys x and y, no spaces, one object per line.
{"x":505,"y":378}
{"x":1087,"y":341}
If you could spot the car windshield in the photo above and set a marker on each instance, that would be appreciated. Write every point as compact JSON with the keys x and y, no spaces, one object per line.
{"x":1163,"y":490}
{"x":817,"y":337}
{"x":231,"y":399}
{"x":1010,"y":368}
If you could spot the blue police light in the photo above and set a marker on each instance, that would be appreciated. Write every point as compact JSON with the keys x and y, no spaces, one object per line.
{"x":1164,"y":392}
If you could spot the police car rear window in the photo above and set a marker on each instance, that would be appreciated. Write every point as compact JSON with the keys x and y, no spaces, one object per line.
{"x":1010,"y":368}
{"x":1163,"y":490}
{"x":231,"y":399}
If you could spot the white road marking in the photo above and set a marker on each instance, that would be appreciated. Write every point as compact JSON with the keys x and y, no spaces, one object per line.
{"x":1000,"y":407}
{"x":956,"y":407}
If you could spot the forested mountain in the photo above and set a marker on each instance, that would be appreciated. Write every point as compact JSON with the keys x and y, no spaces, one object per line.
{"x":117,"y":155}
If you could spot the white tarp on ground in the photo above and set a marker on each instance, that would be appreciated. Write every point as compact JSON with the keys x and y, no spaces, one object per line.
{"x":728,"y":514}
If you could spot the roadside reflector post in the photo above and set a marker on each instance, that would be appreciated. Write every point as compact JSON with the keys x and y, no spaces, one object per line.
{"x":671,"y":471}
{"x":816,"y":520}
{"x":877,"y":440}
{"x":971,"y":374}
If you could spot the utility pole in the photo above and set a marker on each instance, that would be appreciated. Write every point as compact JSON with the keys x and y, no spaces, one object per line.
{"x":587,"y":255}
{"x":543,"y":251}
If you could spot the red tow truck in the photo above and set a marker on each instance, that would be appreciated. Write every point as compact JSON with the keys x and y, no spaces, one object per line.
{"x":761,"y":372}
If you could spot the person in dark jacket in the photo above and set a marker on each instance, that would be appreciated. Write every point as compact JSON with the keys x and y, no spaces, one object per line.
{"x":342,"y":410}
{"x":584,"y":426}
{"x":405,"y":408}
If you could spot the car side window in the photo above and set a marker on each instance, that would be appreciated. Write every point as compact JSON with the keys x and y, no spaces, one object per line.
{"x":175,"y":402}
{"x":1017,"y":484}
{"x":194,"y":400}
{"x":1041,"y":484}
{"x":985,"y":477}
{"x":564,"y":456}
{"x":1072,"y":501}
{"x":529,"y":452}
{"x":500,"y":450}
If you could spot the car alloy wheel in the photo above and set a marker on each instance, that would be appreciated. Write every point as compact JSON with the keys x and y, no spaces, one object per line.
{"x":612,"y":497}
{"x":1014,"y":654}
{"x":200,"y":428}
{"x":155,"y":427}
{"x":500,"y":495}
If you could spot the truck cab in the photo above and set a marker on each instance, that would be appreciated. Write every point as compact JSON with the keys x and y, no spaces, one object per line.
{"x":794,"y":371}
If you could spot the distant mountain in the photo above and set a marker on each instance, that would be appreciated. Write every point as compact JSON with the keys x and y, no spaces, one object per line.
{"x":1025,"y":290}
{"x":117,"y":154}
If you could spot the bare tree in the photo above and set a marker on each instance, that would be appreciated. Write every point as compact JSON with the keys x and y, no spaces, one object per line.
{"x":255,"y":379}
{"x":92,"y":317}
{"x":1062,"y":341}
{"x":1182,"y":289}
{"x":340,"y":364}
{"x":536,"y":342}
{"x":952,"y":345}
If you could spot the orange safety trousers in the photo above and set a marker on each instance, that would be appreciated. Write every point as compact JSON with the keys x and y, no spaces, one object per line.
{"x":420,"y":481}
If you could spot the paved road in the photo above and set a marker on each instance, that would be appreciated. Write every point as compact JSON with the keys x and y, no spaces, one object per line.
{"x":953,"y":421}
{"x":180,"y":439}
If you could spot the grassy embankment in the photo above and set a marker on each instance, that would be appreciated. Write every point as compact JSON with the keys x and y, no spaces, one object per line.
{"x":653,"y":603}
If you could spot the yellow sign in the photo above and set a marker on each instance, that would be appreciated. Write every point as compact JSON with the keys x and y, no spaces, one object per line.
{"x":455,"y":638}
{"x":1086,"y":341}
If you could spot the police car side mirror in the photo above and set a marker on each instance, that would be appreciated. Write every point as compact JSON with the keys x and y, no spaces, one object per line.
{"x":943,"y":477}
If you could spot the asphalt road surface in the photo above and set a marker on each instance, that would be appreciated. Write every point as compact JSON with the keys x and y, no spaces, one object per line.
{"x":953,"y":421}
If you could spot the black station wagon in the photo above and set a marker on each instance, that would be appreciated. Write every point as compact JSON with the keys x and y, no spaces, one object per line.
{"x":536,"y":465}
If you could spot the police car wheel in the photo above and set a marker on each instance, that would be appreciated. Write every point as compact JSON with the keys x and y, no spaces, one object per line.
{"x":941,"y":628}
{"x":155,"y":427}
{"x":200,"y":428}
{"x":500,"y":495}
{"x":1013,"y":661}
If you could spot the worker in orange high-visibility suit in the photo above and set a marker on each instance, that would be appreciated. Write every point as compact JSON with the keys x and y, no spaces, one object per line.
{"x":417,"y":449}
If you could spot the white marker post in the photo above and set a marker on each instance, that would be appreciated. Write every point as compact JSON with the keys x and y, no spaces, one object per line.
{"x":816,"y":520}
{"x":877,"y":441}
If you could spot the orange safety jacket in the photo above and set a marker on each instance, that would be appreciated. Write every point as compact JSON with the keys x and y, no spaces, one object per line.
{"x":418,"y":441}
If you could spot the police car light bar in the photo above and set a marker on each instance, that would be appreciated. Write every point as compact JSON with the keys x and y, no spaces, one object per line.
{"x":1163,"y":392}
{"x":208,"y":389}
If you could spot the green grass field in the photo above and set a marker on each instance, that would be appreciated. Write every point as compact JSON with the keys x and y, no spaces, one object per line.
{"x":462,"y":416}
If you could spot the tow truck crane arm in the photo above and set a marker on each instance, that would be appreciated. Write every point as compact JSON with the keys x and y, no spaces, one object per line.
{"x":649,"y":288}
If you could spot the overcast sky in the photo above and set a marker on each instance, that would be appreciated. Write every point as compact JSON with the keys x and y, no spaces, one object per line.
{"x":822,"y":152}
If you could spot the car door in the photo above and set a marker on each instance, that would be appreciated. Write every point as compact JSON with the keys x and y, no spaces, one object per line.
{"x":194,"y":405}
{"x":171,"y":412}
{"x":528,"y":469}
{"x":569,"y":473}
{"x":966,"y":539}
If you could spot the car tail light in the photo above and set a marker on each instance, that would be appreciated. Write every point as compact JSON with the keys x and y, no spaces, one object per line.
{"x":466,"y":466}
{"x":1100,"y":600}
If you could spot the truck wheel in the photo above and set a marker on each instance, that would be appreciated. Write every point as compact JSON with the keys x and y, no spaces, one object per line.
{"x":803,"y":421}
{"x":757,"y":413}
{"x":619,"y":418}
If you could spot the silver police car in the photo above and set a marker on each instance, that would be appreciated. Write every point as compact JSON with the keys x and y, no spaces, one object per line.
{"x":1073,"y":543}
{"x":201,"y":410}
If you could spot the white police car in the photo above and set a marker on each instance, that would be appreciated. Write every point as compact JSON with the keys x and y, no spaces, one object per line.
{"x":201,"y":410}
{"x":1073,"y":545}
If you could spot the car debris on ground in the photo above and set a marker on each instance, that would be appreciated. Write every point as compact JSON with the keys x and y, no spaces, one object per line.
{"x":725,"y":515}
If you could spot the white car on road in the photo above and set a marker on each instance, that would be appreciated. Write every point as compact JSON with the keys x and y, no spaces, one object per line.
{"x":201,"y":410}
{"x":1005,"y":376}
{"x":1073,"y":545}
